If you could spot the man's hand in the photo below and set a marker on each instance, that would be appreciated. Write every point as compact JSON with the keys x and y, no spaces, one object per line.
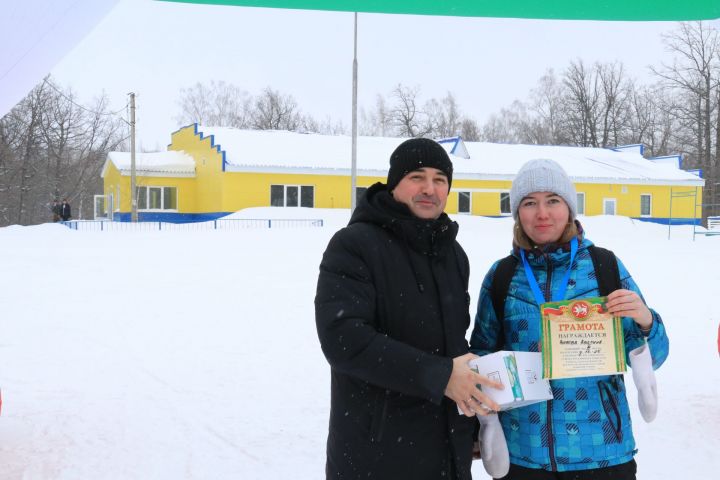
{"x":462,"y":388}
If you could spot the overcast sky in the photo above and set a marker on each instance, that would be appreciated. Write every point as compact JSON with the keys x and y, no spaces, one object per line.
{"x":156,"y":48}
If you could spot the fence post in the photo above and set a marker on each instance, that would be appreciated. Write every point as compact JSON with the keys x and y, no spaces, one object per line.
{"x":215,"y":224}
{"x":159,"y":225}
{"x":269,"y":223}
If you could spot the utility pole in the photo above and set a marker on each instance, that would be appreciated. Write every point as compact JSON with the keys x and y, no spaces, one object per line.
{"x":133,"y":189}
{"x":353,"y":168}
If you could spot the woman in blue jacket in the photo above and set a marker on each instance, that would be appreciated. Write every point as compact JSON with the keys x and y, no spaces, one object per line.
{"x":585,"y":432}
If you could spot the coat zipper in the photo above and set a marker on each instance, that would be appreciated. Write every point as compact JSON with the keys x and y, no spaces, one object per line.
{"x":549,"y":417}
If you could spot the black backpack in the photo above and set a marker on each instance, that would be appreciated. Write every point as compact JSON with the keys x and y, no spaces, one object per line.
{"x":606,"y":271}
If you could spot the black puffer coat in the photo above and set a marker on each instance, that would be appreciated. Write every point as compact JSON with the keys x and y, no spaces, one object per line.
{"x":392,"y":310}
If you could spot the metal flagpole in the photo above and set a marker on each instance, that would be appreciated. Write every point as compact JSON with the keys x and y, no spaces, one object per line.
{"x":353,"y":167}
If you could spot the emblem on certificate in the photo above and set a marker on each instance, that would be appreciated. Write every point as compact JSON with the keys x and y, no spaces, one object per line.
{"x":581,"y":339}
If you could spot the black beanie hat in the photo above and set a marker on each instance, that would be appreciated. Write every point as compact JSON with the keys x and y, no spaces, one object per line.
{"x":414,"y":154}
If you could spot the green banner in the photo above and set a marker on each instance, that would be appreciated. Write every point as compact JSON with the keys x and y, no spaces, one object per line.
{"x":632,"y":10}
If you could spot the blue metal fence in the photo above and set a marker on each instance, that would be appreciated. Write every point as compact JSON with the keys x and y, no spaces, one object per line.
{"x":233,"y":224}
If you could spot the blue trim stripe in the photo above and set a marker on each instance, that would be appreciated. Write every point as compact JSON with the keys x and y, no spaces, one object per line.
{"x":170,"y":217}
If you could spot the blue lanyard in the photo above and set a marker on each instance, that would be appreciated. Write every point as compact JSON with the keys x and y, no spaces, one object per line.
{"x":539,"y":297}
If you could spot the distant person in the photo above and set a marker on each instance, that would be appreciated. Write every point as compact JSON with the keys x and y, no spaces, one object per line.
{"x":65,"y":212}
{"x":391,"y":312}
{"x":55,"y":209}
{"x":585,"y":432}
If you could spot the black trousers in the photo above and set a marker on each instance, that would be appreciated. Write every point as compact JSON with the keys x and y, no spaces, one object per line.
{"x":625,"y":471}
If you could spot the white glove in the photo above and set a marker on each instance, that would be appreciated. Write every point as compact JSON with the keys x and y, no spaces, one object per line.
{"x":493,"y":447}
{"x":644,"y":378}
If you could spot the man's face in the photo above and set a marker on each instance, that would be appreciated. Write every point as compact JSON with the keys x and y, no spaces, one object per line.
{"x":424,"y":191}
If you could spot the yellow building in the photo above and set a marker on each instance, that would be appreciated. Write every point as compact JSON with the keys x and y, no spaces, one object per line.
{"x":211,"y":172}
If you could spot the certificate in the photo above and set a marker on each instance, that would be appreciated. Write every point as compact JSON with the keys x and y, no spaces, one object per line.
{"x":581,"y":339}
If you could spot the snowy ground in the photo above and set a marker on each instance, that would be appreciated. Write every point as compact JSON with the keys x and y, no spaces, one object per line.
{"x":193,"y":355}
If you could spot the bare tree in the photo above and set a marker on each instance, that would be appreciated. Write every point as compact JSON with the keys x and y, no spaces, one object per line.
{"x":695,"y":76}
{"x":581,"y":104}
{"x":275,"y":111}
{"x":650,"y":122}
{"x":443,"y":117}
{"x":50,"y":147}
{"x":376,"y":122}
{"x":546,"y":105}
{"x":23,"y":163}
{"x":219,"y":105}
{"x":469,"y":130}
{"x":406,"y":116}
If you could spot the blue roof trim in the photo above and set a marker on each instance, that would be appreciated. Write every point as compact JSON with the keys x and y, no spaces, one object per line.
{"x":217,"y":147}
{"x":677,"y":157}
{"x":453,"y":140}
{"x":620,"y":148}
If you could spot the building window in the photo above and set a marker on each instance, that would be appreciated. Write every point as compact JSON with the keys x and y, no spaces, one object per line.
{"x":292,"y":196}
{"x":645,"y":205}
{"x":505,"y":203}
{"x":464,"y":202}
{"x":307,"y":196}
{"x":157,"y":198}
{"x":170,"y":198}
{"x":277,"y":196}
{"x":581,"y":203}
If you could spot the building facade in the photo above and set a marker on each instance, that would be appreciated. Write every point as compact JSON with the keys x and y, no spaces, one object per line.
{"x":208,"y":173}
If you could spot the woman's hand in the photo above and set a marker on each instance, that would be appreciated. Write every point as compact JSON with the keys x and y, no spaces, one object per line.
{"x":626,"y":303}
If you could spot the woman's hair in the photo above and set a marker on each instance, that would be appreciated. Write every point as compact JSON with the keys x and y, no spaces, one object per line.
{"x":521,"y":239}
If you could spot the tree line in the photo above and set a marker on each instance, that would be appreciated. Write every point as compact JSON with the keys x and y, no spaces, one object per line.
{"x":589,"y":105}
{"x":51,"y":147}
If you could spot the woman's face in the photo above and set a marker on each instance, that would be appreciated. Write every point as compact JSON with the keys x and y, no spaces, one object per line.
{"x":543,"y":216}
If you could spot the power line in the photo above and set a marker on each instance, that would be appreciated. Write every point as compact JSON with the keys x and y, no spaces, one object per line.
{"x":115,"y":113}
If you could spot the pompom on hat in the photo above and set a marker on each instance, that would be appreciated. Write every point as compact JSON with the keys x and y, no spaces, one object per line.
{"x":542,"y":175}
{"x":414,"y":154}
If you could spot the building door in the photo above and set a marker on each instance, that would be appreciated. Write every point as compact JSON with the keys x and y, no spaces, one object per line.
{"x":609,"y":206}
{"x":102,"y":207}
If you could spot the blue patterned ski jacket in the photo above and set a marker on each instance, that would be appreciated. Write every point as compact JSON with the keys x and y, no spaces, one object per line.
{"x":587,"y":425}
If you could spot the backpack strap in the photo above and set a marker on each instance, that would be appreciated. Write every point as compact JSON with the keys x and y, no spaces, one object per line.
{"x":499,"y":291}
{"x":501,"y":284}
{"x":607,"y":274}
{"x":606,"y":270}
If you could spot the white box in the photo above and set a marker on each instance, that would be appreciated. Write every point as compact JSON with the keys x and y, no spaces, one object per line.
{"x":519,"y":372}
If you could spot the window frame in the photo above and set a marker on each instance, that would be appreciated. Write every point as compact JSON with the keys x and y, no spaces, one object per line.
{"x":300,"y":189}
{"x":162,"y":189}
{"x":580,"y":205}
{"x":509,"y":212}
{"x":469,"y":202}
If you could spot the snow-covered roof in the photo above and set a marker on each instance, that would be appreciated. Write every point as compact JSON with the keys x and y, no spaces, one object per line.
{"x":160,"y":164}
{"x":282,"y":151}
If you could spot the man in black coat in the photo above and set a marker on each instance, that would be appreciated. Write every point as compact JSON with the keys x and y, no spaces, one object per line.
{"x":65,"y":212}
{"x":392,"y":309}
